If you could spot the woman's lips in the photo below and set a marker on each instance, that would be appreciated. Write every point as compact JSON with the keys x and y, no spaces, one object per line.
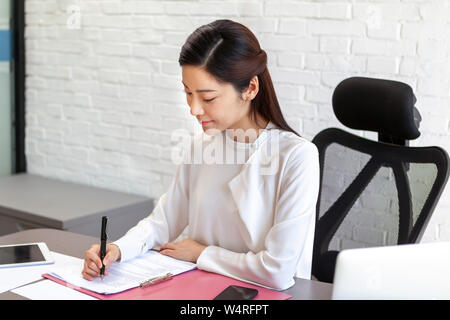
{"x":203,"y":123}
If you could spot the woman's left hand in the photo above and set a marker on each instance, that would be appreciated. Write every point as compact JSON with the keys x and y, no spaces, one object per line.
{"x":186,"y":249}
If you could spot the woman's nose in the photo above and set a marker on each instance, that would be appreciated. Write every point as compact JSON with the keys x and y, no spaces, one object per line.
{"x":196,"y":108}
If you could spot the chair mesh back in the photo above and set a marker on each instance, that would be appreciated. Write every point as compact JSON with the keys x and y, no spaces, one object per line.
{"x":373,"y":220}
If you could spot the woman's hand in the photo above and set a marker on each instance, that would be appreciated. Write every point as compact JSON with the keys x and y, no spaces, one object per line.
{"x":93,"y":264}
{"x":186,"y":249}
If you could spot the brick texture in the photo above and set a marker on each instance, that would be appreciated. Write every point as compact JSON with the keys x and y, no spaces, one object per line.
{"x":104,"y":92}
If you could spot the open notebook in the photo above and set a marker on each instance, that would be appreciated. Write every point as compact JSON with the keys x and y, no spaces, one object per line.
{"x":125,"y":275}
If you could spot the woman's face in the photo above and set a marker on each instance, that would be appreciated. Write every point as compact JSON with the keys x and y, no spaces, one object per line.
{"x":217,"y":106}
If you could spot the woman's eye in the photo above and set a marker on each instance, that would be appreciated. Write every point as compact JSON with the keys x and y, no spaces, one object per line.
{"x":206,"y":100}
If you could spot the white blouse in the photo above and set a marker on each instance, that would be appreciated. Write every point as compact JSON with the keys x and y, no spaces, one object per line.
{"x":256,"y":214}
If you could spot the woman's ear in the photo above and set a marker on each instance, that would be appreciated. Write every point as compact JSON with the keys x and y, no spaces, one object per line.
{"x":252,"y":89}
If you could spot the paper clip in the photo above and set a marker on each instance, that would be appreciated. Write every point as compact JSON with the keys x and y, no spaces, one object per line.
{"x":156,"y":280}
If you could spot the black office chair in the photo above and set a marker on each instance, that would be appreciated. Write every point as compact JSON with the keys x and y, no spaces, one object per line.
{"x":349,"y":163}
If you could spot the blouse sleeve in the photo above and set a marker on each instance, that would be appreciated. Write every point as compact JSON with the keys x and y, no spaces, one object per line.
{"x":289,"y":242}
{"x":164,"y":224}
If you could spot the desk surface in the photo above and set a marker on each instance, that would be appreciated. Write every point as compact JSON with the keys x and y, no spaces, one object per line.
{"x":40,"y":202}
{"x":76,"y":244}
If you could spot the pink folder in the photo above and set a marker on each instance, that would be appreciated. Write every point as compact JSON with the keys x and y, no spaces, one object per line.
{"x":192,"y":285}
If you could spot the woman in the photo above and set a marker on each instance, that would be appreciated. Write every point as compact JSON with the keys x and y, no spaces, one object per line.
{"x":243,"y":220}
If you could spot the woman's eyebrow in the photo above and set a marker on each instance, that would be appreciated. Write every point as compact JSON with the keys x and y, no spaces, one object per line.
{"x":201,"y":90}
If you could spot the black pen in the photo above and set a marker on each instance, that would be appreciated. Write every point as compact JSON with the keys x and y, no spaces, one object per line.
{"x":103,"y":239}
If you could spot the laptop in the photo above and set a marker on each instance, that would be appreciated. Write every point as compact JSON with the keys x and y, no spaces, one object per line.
{"x":409,"y":271}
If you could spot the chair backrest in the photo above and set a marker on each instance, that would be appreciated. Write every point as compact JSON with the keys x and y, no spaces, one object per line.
{"x":389,"y":188}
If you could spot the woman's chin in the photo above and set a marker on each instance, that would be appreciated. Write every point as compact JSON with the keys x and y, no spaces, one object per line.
{"x":210,"y":129}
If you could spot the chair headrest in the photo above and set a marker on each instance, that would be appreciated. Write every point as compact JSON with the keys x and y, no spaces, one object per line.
{"x":379,"y":105}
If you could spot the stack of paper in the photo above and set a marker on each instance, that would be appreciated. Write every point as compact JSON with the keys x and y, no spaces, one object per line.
{"x":14,"y":277}
{"x":125,"y":275}
{"x":50,"y":290}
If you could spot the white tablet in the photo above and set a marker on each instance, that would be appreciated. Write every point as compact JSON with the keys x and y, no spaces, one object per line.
{"x":26,"y":254}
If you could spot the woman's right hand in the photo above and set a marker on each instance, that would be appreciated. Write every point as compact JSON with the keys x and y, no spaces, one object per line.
{"x":93,"y":263}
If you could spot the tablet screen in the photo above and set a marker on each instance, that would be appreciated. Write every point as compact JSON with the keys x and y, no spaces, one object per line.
{"x":20,"y":254}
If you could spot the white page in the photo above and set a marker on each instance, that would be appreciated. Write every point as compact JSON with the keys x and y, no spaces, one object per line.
{"x":50,"y":290}
{"x":125,"y":275}
{"x":18,"y":276}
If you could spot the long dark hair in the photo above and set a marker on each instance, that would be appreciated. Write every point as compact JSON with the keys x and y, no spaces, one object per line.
{"x":231,"y":53}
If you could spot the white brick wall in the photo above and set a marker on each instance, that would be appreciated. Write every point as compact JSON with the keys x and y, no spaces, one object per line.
{"x":103,"y":99}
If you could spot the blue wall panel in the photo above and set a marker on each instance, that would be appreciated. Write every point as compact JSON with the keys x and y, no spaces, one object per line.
{"x":5,"y":45}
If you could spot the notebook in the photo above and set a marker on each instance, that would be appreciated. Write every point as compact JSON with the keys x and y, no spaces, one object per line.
{"x":125,"y":275}
{"x":188,"y":283}
{"x":192,"y":285}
